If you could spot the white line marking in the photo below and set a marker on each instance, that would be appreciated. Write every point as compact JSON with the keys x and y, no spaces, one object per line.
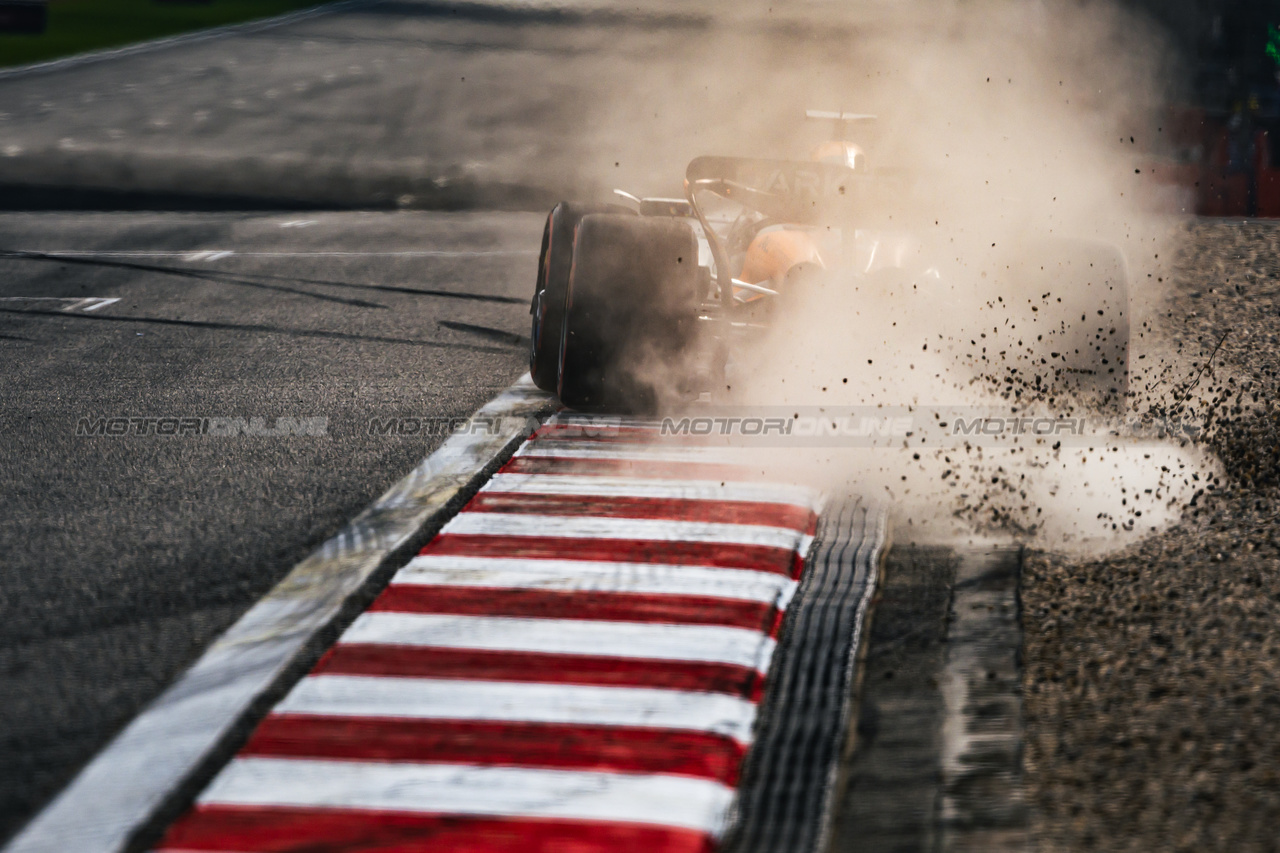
{"x":99,"y":303}
{"x":208,"y":255}
{"x":699,"y":490}
{"x":697,"y":804}
{"x":78,"y":303}
{"x":586,"y":576}
{"x":520,"y":702}
{"x":647,"y":641}
{"x":123,"y":786}
{"x":656,"y":530}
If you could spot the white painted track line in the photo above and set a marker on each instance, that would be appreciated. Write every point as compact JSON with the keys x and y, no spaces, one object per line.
{"x":122,"y":787}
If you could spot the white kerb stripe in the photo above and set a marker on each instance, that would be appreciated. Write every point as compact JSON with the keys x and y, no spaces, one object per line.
{"x":652,"y":529}
{"x":587,"y":576}
{"x":708,"y":643}
{"x":636,"y":452}
{"x":518,"y":702}
{"x":459,"y":789}
{"x":697,"y":490}
{"x":603,"y":425}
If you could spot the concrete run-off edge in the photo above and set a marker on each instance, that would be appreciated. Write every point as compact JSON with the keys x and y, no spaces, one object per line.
{"x":120,"y":791}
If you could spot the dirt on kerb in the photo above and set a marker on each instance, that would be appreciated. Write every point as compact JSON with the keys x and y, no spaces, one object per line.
{"x":1152,"y":676}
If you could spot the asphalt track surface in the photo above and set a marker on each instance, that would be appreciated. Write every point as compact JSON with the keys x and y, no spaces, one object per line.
{"x":125,"y":556}
{"x":425,"y":104}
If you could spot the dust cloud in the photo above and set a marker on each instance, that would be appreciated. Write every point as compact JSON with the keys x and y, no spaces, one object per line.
{"x":1010,"y":137}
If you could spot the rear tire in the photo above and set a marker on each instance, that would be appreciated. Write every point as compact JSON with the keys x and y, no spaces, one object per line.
{"x":631,"y":322}
{"x":552,"y":286}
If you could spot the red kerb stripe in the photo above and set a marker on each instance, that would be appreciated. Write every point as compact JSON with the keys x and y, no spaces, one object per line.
{"x":559,"y":747}
{"x":296,"y":830}
{"x":625,"y":468}
{"x":761,"y":558}
{"x":370,"y":659}
{"x":560,"y":604}
{"x":711,"y":512}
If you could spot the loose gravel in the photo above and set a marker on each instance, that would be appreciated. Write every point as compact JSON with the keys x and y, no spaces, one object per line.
{"x":1152,"y":675}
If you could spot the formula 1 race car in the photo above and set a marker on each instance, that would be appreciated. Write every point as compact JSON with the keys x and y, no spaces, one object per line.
{"x":641,"y":304}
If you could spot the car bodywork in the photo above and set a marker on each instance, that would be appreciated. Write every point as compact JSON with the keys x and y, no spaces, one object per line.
{"x":1054,"y":311}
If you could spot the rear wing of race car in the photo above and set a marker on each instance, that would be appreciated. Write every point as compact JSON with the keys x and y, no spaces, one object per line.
{"x":787,"y":190}
{"x":839,"y":116}
{"x":842,"y":120}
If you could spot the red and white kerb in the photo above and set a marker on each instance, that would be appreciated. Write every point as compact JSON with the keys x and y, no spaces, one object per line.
{"x":573,"y":664}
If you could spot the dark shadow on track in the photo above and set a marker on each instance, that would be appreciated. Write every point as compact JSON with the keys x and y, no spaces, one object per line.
{"x":485,"y":13}
{"x":22,"y":197}
{"x":253,"y":279}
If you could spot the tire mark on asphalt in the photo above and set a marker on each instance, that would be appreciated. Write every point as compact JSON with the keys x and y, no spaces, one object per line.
{"x":486,"y":332}
{"x":254,"y":327}
{"x":181,"y":272}
{"x":248,"y":278}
